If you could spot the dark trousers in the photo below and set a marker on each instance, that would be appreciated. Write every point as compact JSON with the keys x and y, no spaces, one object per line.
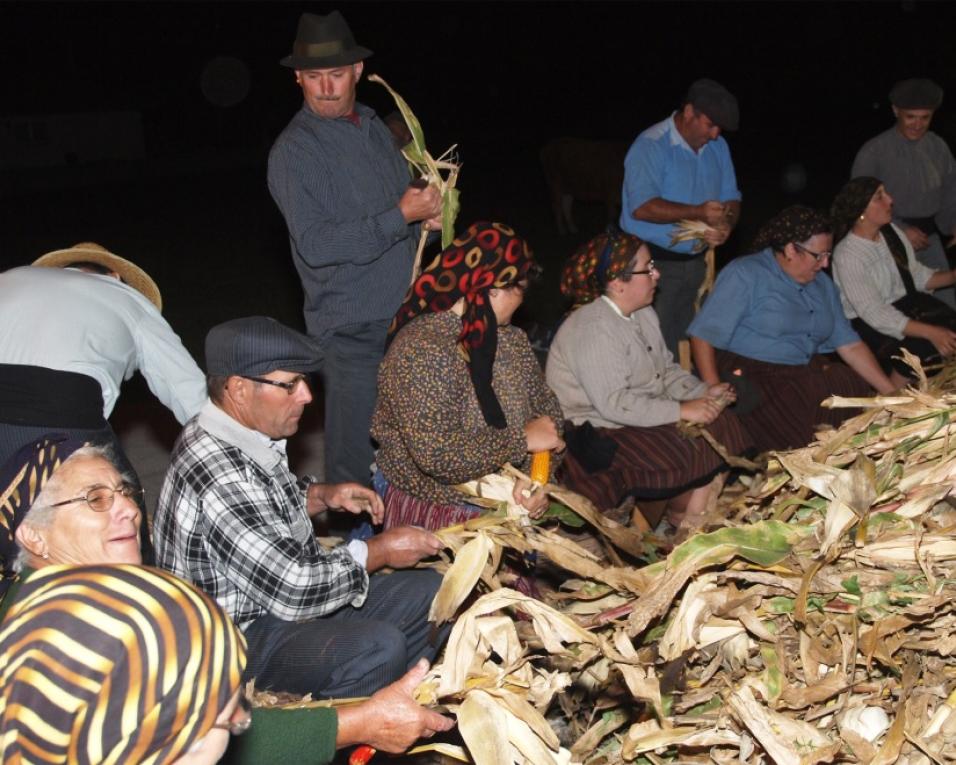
{"x":676,"y":293}
{"x":354,"y":651}
{"x":350,"y":379}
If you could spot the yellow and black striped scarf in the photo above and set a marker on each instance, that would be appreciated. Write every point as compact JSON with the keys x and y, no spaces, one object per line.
{"x":112,"y":664}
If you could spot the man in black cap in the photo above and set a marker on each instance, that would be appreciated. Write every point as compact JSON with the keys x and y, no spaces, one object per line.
{"x":237,"y":523}
{"x":343,"y":188}
{"x":679,"y":169}
{"x":918,"y":170}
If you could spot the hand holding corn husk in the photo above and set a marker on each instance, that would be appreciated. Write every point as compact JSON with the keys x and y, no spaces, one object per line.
{"x":707,"y":237}
{"x":431,"y":171}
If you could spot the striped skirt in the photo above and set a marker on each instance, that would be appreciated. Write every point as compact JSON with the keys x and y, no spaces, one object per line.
{"x":789,"y":397}
{"x":654,"y":463}
{"x":402,"y":509}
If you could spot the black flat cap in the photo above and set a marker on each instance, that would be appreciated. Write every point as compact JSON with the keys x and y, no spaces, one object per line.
{"x":257,"y":345}
{"x":714,"y":100}
{"x":916,"y":94}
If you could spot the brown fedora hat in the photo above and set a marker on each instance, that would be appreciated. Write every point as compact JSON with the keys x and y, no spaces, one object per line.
{"x":90,"y":252}
{"x":322,"y":42}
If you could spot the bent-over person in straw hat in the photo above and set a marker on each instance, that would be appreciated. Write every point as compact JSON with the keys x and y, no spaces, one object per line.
{"x":343,"y":189}
{"x":76,"y":324}
{"x":233,"y":519}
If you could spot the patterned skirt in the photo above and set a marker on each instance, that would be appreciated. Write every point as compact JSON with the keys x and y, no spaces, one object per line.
{"x":789,"y":397}
{"x":654,"y":463}
{"x":402,"y":509}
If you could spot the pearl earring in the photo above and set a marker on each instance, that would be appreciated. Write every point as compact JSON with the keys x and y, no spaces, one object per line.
{"x":862,"y":216}
{"x":46,"y":556}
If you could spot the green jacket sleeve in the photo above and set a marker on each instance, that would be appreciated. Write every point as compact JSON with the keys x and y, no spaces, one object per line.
{"x":281,"y":736}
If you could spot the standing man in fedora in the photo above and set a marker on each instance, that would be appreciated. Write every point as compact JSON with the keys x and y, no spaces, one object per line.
{"x":343,"y":188}
{"x":918,"y":170}
{"x":681,"y":168}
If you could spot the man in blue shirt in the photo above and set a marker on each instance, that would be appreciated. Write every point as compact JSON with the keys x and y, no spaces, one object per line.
{"x":679,"y":169}
{"x":354,"y":223}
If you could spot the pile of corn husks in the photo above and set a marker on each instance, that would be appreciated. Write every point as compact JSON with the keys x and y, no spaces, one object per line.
{"x":813,"y":619}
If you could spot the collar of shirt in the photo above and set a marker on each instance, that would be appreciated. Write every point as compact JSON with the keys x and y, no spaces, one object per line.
{"x":617,"y":310}
{"x":266,"y":452}
{"x":677,"y":139}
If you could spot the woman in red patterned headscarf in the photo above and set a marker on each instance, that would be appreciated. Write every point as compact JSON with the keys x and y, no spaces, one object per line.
{"x":460,"y":390}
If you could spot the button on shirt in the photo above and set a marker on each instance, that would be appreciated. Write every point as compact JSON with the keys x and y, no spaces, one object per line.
{"x":758,"y":311}
{"x":660,"y":163}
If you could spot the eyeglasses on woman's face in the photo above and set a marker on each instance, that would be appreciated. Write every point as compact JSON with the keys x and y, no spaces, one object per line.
{"x":651,"y":269}
{"x":241,"y":719}
{"x":817,"y":256}
{"x":100,"y":498}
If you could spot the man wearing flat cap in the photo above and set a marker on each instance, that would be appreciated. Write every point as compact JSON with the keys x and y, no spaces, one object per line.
{"x":918,"y":170}
{"x":236,"y":522}
{"x":354,"y":223}
{"x":679,"y":169}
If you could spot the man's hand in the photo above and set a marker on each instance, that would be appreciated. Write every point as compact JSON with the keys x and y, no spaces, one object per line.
{"x":432,"y":224}
{"x":535,"y":503}
{"x":401,"y":547}
{"x":420,"y":204}
{"x":712,"y":212}
{"x":541,"y":435}
{"x":391,"y":720}
{"x":700,"y":410}
{"x":717,"y":235}
{"x":917,"y":238}
{"x":350,"y":497}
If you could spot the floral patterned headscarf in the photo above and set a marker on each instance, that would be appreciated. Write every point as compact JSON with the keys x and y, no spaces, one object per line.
{"x":606,"y":257}
{"x":487,"y":255}
{"x":796,"y":223}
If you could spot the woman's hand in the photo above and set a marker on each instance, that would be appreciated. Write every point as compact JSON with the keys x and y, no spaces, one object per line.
{"x":944,"y":340}
{"x":541,"y":435}
{"x":723,"y":393}
{"x":535,"y":502}
{"x":700,"y":410}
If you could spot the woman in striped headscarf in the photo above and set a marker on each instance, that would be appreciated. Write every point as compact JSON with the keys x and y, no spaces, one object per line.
{"x":619,"y":385}
{"x":123,"y":664}
{"x":460,"y":390}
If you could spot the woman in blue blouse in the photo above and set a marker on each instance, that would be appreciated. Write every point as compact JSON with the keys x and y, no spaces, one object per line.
{"x":769,"y":318}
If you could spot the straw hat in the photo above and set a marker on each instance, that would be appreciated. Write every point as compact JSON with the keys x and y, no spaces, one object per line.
{"x":91,"y":252}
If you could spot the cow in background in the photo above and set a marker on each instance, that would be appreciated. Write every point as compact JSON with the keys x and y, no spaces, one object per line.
{"x":583,"y":170}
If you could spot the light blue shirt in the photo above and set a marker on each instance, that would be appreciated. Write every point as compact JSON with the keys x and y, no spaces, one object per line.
{"x":756,"y":310}
{"x":660,"y":163}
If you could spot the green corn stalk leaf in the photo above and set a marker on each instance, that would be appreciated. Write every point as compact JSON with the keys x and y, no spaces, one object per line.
{"x":414,"y":126}
{"x":449,"y":212}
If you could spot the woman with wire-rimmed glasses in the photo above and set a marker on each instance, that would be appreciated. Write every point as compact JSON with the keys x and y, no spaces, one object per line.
{"x":767,"y":326}
{"x":623,"y":393}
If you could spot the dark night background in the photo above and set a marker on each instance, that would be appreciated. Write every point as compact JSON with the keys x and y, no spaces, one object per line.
{"x":498,"y":78}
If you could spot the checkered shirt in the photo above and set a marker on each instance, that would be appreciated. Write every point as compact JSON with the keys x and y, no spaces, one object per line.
{"x":236,"y":526}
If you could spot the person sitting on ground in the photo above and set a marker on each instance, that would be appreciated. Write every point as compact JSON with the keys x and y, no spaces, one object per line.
{"x":620,"y":387}
{"x":235,"y":521}
{"x":460,"y":390}
{"x":884,"y":288}
{"x":78,"y":686}
{"x":65,"y":502}
{"x":767,"y":323}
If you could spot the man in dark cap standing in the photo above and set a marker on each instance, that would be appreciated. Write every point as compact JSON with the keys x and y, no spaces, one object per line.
{"x":343,"y":188}
{"x":681,"y":168}
{"x":235,"y":521}
{"x":918,"y":170}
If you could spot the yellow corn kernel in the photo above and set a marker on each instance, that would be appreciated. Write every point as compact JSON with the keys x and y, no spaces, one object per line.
{"x":540,"y":467}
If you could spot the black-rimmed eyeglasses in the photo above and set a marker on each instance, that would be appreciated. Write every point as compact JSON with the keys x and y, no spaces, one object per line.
{"x":817,"y":256}
{"x":651,"y":268}
{"x":243,"y":708}
{"x":288,"y":386}
{"x":100,"y":498}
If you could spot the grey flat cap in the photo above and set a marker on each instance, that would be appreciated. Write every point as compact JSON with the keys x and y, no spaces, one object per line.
{"x":257,"y":345}
{"x":916,"y":94}
{"x":714,"y":100}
